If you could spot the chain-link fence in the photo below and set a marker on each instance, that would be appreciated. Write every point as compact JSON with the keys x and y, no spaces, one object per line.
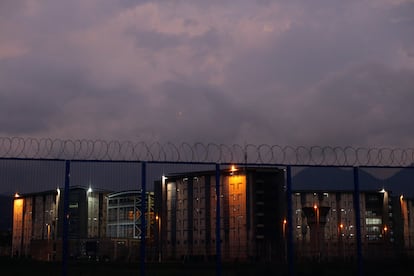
{"x":78,"y":217}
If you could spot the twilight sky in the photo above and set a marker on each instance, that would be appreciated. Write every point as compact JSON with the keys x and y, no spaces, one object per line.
{"x":297,"y":72}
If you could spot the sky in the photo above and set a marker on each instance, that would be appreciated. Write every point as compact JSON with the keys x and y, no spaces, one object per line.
{"x":297,"y":72}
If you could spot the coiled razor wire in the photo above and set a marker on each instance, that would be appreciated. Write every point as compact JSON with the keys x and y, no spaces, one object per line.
{"x":84,"y":149}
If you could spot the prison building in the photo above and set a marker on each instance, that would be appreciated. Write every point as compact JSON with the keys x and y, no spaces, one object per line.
{"x":38,"y":223}
{"x":251,"y":216}
{"x":125,"y":224}
{"x":325,"y":224}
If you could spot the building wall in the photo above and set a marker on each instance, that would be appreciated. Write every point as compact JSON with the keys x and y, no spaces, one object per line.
{"x":97,"y":214}
{"x":409,"y":233}
{"x":190,"y":217}
{"x":37,"y":221}
{"x":17,"y":226}
{"x":237,"y":216}
{"x":337,"y":233}
{"x":34,"y":218}
{"x":406,"y":229}
{"x":385,"y":224}
{"x":250,"y":217}
{"x":124,"y":215}
{"x":125,"y":228}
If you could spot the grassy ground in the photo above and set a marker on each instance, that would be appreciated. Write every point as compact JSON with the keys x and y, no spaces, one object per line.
{"x":26,"y":267}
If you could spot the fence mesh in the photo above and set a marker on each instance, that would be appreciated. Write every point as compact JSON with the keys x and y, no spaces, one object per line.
{"x":156,"y":217}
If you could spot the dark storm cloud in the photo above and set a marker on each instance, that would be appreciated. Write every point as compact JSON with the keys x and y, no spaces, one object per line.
{"x":310,"y":53}
{"x":370,"y":104}
{"x":34,"y":92}
{"x":191,"y":112}
{"x":155,"y":41}
{"x":296,"y":72}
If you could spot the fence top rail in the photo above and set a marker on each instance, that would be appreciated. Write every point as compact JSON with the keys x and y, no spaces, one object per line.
{"x":202,"y":153}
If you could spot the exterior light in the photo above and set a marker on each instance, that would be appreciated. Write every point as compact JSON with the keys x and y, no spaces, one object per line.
{"x":90,"y":190}
{"x":16,"y":195}
{"x":401,"y":197}
{"x":48,"y":231}
{"x":233,"y":169}
{"x":315,"y":207}
{"x":382,"y":190}
{"x":385,"y":228}
{"x":163,"y":179}
{"x":341,"y":226}
{"x":284,"y":228}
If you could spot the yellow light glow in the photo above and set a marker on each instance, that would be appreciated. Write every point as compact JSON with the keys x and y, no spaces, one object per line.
{"x":48,"y":231}
{"x":341,"y":226}
{"x":233,"y":168}
{"x":16,"y":195}
{"x":315,"y":206}
{"x":18,"y":203}
{"x":385,"y":228}
{"x":284,"y":221}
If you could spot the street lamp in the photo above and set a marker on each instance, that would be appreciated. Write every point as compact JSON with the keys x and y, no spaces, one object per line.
{"x":233,"y":169}
{"x":284,"y":237}
{"x":340,"y":230}
{"x":315,"y":207}
{"x":158,"y":219}
{"x":340,"y":234}
{"x":385,"y":236}
{"x":284,"y":228}
{"x":48,"y":231}
{"x":405,"y":220}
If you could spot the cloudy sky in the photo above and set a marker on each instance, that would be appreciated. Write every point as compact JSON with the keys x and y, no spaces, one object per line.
{"x":297,"y":72}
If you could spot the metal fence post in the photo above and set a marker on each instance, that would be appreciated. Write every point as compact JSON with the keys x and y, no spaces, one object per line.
{"x":65,"y":240}
{"x":358,"y":220}
{"x":218,"y":232}
{"x":290,"y":256}
{"x":143,"y":214}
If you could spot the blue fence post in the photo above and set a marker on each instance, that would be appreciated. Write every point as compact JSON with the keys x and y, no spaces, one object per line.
{"x":65,"y":240}
{"x":143,"y":214}
{"x":290,"y":248}
{"x":358,"y":220}
{"x":218,"y":232}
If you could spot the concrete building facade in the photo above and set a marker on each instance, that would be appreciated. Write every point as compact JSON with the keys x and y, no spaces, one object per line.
{"x":125,"y":225}
{"x":181,"y":220}
{"x":101,"y":224}
{"x":38,"y":224}
{"x":252,"y":211}
{"x":325,"y":224}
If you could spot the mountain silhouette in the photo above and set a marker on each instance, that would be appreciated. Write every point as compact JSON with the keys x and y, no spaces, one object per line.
{"x":342,"y":179}
{"x":401,"y":183}
{"x":333,"y":179}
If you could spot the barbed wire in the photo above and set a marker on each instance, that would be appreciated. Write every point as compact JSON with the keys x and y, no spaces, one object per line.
{"x":84,"y":149}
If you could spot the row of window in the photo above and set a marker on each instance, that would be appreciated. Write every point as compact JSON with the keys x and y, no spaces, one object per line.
{"x":117,"y":231}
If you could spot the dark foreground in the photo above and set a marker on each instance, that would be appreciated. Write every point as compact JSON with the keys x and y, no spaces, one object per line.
{"x":28,"y":267}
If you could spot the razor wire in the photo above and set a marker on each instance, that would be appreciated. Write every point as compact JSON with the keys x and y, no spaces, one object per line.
{"x":84,"y":149}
